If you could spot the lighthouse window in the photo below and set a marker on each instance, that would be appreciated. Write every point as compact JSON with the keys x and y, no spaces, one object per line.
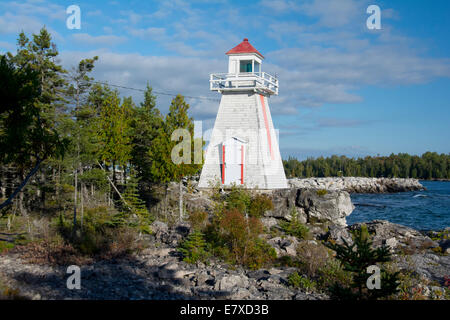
{"x":245,"y":66}
{"x":257,"y":67}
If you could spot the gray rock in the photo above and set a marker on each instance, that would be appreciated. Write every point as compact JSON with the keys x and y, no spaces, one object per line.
{"x":284,"y":246}
{"x":338,"y":234}
{"x":332,"y":207}
{"x":159,"y":226}
{"x":310,"y":207}
{"x":168,"y":270}
{"x":258,"y":274}
{"x":392,"y":243}
{"x":269,"y":222}
{"x":382,"y":230}
{"x":358,"y":184}
{"x":228,"y":282}
{"x":239,"y":294}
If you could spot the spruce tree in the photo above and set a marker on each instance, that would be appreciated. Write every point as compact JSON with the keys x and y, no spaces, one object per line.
{"x":355,"y":259}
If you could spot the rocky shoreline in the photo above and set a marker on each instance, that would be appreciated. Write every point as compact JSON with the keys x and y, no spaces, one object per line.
{"x":158,"y":271}
{"x":359,"y":184}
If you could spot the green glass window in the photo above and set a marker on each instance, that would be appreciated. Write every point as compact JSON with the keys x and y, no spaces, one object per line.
{"x":245,"y":66}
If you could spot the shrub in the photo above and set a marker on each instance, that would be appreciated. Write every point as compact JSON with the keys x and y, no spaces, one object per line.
{"x":298,"y":281}
{"x":321,"y":192}
{"x":102,"y":234}
{"x":331,"y":273}
{"x":410,"y":286}
{"x":193,"y":248}
{"x":239,"y":199}
{"x":5,"y":246}
{"x":8,"y":293}
{"x":259,"y":204}
{"x":259,"y":253}
{"x":234,"y":238}
{"x":295,"y":227}
{"x":198,"y":219}
{"x":312,"y":257}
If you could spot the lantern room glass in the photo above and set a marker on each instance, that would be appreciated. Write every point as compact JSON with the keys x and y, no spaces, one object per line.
{"x":245,"y":66}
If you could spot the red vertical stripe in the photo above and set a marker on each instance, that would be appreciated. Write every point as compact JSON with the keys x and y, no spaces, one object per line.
{"x":266,"y":122}
{"x":223,"y":164}
{"x":242,"y":164}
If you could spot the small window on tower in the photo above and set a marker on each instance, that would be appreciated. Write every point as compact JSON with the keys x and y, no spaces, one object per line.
{"x":257,"y":67}
{"x":245,"y":66}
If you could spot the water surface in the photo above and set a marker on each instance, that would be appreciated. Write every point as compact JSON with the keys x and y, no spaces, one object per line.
{"x":422,"y":210}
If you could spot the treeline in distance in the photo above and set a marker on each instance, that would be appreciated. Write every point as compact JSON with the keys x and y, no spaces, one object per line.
{"x":430,"y":165}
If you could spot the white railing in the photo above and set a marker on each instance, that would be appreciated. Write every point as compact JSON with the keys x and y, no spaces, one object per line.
{"x":244,"y":81}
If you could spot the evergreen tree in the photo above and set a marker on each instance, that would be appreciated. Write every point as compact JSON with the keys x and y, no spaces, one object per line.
{"x":356,"y":258}
{"x":33,"y":84}
{"x":164,"y":169}
{"x":146,"y":122}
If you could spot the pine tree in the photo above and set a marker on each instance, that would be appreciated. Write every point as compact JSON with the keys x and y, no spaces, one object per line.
{"x":31,"y":132}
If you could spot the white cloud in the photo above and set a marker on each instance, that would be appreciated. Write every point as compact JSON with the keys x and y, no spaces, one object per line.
{"x":188,"y":76}
{"x":6,"y":46}
{"x":148,"y":33}
{"x":103,"y":40}
{"x":14,"y":24}
{"x":132,"y":16}
{"x":335,"y":13}
{"x":280,"y":6}
{"x":37,"y":8}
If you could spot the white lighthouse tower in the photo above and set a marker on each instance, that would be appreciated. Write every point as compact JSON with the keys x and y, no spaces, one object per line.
{"x":243,"y":148}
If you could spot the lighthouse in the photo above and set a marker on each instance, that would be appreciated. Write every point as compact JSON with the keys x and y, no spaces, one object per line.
{"x":243,"y":147}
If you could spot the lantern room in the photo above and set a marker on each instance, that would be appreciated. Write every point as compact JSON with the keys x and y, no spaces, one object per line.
{"x":244,"y":72}
{"x":244,"y":58}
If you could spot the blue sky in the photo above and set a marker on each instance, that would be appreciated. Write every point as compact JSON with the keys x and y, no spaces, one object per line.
{"x":344,"y":89}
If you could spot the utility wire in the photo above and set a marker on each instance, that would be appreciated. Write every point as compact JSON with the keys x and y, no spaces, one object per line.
{"x":156,"y":92}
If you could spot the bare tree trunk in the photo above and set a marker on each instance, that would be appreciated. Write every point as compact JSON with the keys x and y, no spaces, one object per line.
{"x":181,"y":200}
{"x":114,"y":173}
{"x":82,"y":205}
{"x":75,"y":198}
{"x":115,"y":189}
{"x":3,"y":183}
{"x":21,"y":206}
{"x":44,"y":179}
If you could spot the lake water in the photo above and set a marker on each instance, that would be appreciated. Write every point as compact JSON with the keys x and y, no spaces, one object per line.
{"x":421,"y":210}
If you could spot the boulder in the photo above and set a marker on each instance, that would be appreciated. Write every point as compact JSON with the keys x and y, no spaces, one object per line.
{"x":387,"y":233}
{"x":311,"y":206}
{"x":286,"y":246}
{"x":228,"y":282}
{"x":338,"y":234}
{"x":331,"y":207}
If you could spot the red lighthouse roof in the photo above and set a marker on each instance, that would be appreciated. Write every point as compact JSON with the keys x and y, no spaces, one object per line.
{"x":244,"y":47}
